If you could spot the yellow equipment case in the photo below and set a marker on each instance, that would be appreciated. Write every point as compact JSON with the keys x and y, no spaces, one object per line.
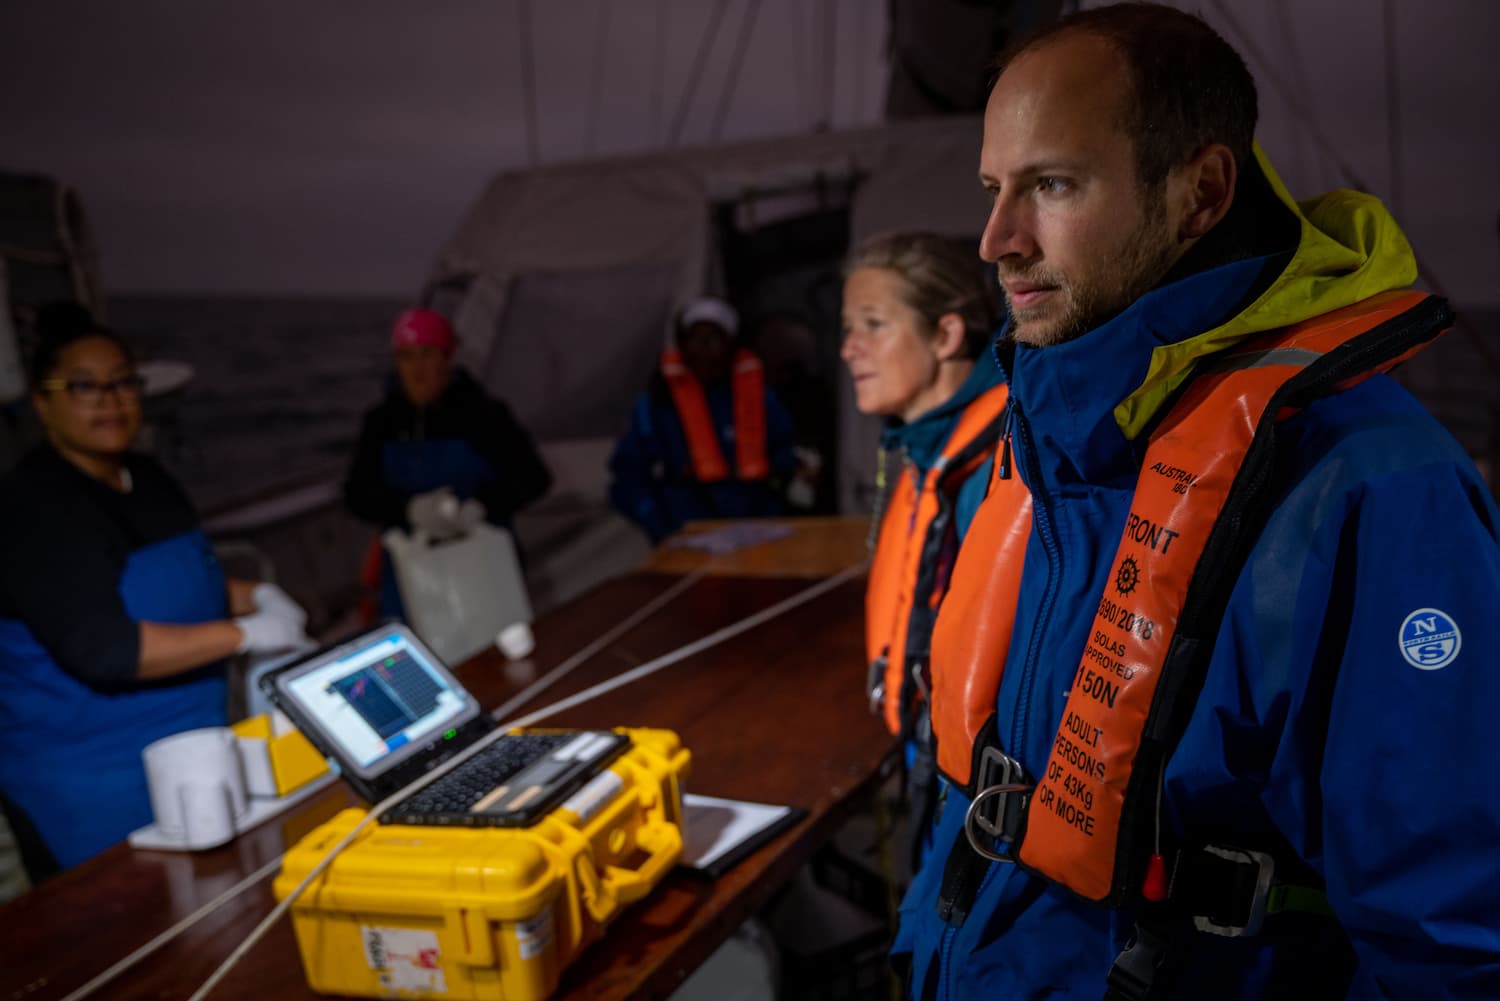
{"x":490,"y":913}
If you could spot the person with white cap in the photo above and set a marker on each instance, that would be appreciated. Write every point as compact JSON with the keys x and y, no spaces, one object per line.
{"x":707,"y":439}
{"x":437,"y":440}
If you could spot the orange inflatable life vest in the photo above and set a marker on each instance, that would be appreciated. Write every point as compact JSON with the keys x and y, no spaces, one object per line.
{"x":1200,"y":499}
{"x":749,"y":388}
{"x":972,"y":633}
{"x":914,"y":548}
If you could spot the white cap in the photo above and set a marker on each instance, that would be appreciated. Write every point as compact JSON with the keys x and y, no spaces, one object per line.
{"x":516,"y":641}
{"x":711,"y":310}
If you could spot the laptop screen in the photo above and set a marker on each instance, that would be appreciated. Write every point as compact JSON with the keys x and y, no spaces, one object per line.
{"x":377,"y":699}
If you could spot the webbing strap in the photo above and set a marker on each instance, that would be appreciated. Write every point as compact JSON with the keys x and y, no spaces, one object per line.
{"x":1287,"y":898}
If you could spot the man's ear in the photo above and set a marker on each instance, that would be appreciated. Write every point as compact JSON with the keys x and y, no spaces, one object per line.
{"x":1205,"y":186}
{"x":949,"y":342}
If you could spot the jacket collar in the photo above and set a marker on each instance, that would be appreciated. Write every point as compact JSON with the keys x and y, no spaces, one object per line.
{"x":923,"y":438}
{"x":1271,"y":262}
{"x":1067,"y":393}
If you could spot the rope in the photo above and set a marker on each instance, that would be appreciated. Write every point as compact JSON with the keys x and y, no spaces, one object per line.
{"x":556,"y":674}
{"x":601,"y":50}
{"x":698,"y":646}
{"x":658,"y":69}
{"x":1393,"y":108}
{"x":736,"y":61}
{"x":1299,"y":109}
{"x":177,"y":929}
{"x":528,"y":80}
{"x":651,"y":667}
{"x":700,"y":59}
{"x":619,"y":629}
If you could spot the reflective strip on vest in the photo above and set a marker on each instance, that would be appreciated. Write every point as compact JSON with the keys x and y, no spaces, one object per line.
{"x":1197,"y":504}
{"x":749,"y":388}
{"x":905,"y":544}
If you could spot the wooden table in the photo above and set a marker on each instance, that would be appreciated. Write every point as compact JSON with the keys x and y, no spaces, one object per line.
{"x":774,"y":716}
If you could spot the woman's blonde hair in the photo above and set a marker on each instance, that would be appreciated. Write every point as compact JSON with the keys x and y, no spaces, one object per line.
{"x":939,"y":278}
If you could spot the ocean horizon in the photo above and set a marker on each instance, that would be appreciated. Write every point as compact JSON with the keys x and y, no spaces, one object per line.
{"x":278,"y":390}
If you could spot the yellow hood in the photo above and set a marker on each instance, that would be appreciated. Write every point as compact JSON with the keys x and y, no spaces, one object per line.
{"x":1349,"y":249}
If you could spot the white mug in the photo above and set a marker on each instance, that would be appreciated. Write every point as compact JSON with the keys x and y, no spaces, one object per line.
{"x":197,"y":786}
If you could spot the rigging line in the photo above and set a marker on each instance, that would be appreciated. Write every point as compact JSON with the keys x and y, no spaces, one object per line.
{"x":1293,"y":102}
{"x":601,"y":50}
{"x":552,"y":676}
{"x":650,"y":667}
{"x":799,"y":61}
{"x":700,"y":59}
{"x":658,"y":70}
{"x":1393,"y":109}
{"x":1282,"y":18}
{"x":736,"y":63}
{"x":603,"y":640}
{"x":528,"y":79}
{"x":1298,"y":108}
{"x":830,"y":58}
{"x":713,"y":639}
{"x":857,"y":99}
{"x":172,"y":932}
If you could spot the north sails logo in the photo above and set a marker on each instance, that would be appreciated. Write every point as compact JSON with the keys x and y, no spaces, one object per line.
{"x":1430,"y":639}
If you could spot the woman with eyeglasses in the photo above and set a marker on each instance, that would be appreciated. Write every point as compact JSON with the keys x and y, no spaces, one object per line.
{"x":115,"y":617}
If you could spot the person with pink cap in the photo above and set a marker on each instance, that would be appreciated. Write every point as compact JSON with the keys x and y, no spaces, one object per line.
{"x":438,"y":435}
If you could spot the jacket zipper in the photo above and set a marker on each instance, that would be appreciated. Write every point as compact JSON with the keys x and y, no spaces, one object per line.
{"x":1042,"y":513}
{"x":1004,"y":469}
{"x":1015,"y":421}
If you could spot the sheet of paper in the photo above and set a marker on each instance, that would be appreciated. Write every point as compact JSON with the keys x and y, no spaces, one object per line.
{"x":714,"y":828}
{"x":731,"y":538}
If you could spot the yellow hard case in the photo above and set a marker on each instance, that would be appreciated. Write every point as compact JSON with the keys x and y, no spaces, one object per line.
{"x":487,"y":912}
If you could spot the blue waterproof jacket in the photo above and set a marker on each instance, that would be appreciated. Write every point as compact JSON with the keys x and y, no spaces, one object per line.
{"x":652,"y":471}
{"x":1321,"y":730}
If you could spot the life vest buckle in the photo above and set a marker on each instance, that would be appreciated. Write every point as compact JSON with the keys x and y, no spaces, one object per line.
{"x":999,"y":808}
{"x":875,"y":684}
{"x":1246,"y":875}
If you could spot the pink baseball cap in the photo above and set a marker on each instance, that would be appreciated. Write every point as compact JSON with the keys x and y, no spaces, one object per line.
{"x":422,"y":328}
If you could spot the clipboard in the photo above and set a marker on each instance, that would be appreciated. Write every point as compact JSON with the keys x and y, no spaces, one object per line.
{"x":718,"y":833}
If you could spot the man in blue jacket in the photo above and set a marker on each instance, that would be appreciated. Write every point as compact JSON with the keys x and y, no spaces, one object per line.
{"x":1293,"y":802}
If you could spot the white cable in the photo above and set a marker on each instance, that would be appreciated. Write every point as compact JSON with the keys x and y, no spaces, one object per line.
{"x":650,"y":667}
{"x":556,"y":674}
{"x":682,"y":653}
{"x":619,"y":629}
{"x":375,"y":811}
{"x":175,"y":930}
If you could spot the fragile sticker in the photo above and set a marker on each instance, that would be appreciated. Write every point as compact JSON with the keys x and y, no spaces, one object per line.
{"x":405,"y":959}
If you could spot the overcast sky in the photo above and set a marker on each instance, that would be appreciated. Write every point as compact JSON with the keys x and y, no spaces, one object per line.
{"x":292,"y":147}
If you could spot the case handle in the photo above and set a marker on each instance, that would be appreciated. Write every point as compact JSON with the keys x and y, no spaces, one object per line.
{"x":663,"y":843}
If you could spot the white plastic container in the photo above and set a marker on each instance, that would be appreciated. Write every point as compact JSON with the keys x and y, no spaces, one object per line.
{"x":461,"y":594}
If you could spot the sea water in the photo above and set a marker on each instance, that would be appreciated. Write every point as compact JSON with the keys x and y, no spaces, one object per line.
{"x":278,"y":390}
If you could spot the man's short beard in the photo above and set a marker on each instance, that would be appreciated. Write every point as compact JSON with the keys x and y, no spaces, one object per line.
{"x":1146,"y":257}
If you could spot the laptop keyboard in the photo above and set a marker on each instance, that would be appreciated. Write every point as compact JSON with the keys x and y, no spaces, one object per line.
{"x":450,"y":798}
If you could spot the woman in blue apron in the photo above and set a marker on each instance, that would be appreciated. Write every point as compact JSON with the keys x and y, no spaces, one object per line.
{"x":115,"y":617}
{"x":437,"y":431}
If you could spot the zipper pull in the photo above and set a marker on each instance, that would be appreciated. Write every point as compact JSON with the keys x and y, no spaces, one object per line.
{"x":1004,"y":470}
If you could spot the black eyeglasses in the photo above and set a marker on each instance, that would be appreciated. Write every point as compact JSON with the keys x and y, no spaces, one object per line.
{"x":91,"y":392}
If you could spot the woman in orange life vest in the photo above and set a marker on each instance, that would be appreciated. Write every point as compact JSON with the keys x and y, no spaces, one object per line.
{"x":918,"y":317}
